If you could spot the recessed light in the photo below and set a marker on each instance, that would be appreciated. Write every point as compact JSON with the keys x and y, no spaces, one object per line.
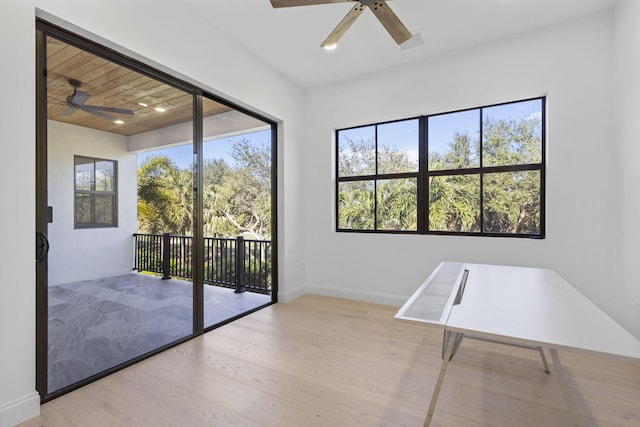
{"x":120,"y":122}
{"x":160,"y":109}
{"x":142,"y":104}
{"x":330,"y":46}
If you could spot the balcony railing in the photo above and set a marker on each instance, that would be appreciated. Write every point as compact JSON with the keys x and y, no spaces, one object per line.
{"x":238,"y":263}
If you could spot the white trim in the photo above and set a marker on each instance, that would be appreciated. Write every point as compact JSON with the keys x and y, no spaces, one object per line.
{"x":290,"y":296}
{"x":358,"y":295}
{"x":20,"y":410}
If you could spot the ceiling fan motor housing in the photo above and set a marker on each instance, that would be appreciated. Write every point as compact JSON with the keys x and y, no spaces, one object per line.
{"x":75,"y":83}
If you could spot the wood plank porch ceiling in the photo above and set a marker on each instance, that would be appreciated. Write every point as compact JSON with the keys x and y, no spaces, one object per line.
{"x":113,"y":85}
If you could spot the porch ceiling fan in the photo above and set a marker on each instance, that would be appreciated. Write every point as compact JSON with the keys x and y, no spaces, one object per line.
{"x":380,"y":9}
{"x":76,"y":101}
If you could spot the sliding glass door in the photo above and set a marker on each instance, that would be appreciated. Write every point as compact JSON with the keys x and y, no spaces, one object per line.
{"x":100,"y":197}
{"x":237,"y":212}
{"x":155,"y":213}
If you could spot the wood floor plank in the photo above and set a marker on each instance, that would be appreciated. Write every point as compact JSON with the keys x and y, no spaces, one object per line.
{"x":321,"y":361}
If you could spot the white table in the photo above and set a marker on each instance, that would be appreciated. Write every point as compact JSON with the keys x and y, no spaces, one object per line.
{"x":529,"y":307}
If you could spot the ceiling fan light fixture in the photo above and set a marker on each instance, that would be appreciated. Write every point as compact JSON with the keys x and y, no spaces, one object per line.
{"x":330,"y":46}
{"x":389,"y":20}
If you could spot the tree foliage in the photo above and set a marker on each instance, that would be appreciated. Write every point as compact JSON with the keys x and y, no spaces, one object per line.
{"x":510,"y":199}
{"x":237,"y":197}
{"x":394,"y":199}
{"x":237,"y":200}
{"x":164,"y":197}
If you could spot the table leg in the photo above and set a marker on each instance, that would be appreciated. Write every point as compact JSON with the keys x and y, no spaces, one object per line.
{"x":544,"y":359}
{"x":565,"y":387}
{"x":454,"y":338}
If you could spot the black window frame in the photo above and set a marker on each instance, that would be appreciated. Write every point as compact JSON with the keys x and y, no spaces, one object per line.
{"x":423,"y":176}
{"x":93,"y":192}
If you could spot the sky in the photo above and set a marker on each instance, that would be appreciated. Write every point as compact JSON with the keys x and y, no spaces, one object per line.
{"x":219,"y":148}
{"x":442,"y":127}
{"x":403,"y":135}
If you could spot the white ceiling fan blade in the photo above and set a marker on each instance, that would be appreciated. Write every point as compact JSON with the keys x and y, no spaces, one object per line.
{"x":343,"y":26}
{"x":79,"y":97}
{"x":291,"y":3}
{"x":69,"y":111}
{"x":99,"y":114}
{"x":390,"y":21}
{"x":107,"y":109}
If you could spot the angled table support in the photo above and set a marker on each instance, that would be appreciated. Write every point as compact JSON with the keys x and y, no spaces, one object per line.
{"x":566,"y":391}
{"x":454,"y":341}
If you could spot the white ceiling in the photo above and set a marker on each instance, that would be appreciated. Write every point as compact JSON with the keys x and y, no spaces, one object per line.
{"x":289,"y":38}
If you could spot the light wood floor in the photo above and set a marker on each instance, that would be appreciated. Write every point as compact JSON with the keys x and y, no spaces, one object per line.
{"x":321,"y":361}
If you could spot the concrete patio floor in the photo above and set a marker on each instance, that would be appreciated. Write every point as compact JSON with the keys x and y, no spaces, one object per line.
{"x":97,"y":324}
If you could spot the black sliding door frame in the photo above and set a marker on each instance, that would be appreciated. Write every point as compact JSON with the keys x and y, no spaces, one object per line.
{"x":44,"y":29}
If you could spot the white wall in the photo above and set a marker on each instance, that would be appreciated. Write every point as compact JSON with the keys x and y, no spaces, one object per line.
{"x":201,"y":54}
{"x":627,"y":141}
{"x":90,"y":253}
{"x":572,"y":65}
{"x":186,"y":45}
{"x":17,"y":182}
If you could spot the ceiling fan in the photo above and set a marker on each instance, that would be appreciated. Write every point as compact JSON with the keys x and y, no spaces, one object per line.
{"x":76,"y":101}
{"x":385,"y":15}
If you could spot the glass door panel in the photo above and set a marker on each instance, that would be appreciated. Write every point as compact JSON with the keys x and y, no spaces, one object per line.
{"x":237,"y":217}
{"x":121,"y":222}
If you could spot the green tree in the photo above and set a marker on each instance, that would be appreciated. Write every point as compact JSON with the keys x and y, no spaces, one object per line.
{"x":454,"y":203}
{"x":238,"y":198}
{"x":215,"y":172}
{"x":397,"y":204}
{"x":511,"y":200}
{"x":356,"y":157}
{"x":356,"y":205}
{"x":164,"y":197}
{"x":394,"y":198}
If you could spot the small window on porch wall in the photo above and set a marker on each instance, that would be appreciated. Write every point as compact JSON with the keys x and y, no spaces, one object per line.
{"x":95,"y":190}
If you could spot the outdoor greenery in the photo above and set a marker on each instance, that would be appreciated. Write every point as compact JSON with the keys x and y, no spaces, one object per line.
{"x":221,"y":266}
{"x":237,"y":197}
{"x":165,"y":197}
{"x":396,"y":198}
{"x":511,"y":199}
{"x":237,"y":202}
{"x":510,"y":186}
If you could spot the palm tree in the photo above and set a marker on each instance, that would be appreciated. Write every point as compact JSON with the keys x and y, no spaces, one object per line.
{"x":165,"y":202}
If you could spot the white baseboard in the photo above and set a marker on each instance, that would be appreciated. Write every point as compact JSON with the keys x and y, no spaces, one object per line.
{"x":290,"y":296}
{"x":358,"y":295}
{"x":20,"y":410}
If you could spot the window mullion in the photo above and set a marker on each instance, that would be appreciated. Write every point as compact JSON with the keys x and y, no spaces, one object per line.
{"x":423,"y":178}
{"x":375,"y":183}
{"x":480,"y":156}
